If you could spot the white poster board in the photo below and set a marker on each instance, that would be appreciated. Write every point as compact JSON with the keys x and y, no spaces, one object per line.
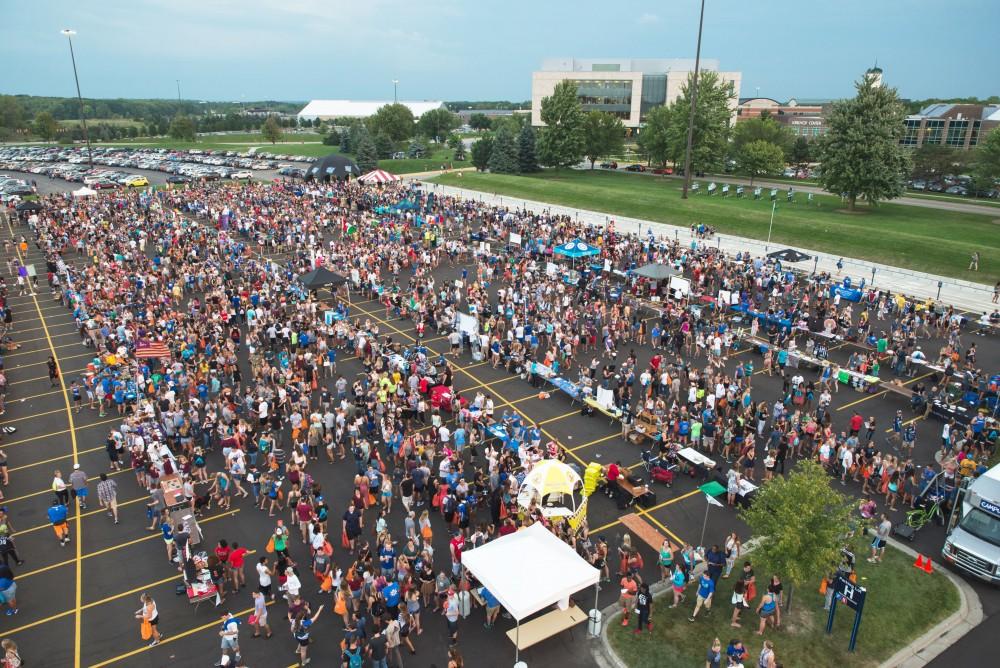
{"x":724,"y":296}
{"x":551,"y":268}
{"x":468,"y":325}
{"x":680,"y":287}
{"x":605,"y":397}
{"x":515,"y":238}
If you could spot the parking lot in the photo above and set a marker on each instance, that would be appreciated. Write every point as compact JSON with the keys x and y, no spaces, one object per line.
{"x":77,"y":602}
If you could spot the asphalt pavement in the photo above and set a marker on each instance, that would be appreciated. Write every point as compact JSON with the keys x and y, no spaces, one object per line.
{"x":86,"y":593}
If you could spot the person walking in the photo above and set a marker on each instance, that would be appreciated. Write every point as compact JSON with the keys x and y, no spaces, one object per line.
{"x":60,"y":487}
{"x":11,"y":656}
{"x":706,"y":589}
{"x":78,"y":486}
{"x":230,"y":634}
{"x":148,"y":613}
{"x":8,"y":589}
{"x":643,"y":609}
{"x":8,"y":550}
{"x":259,"y":617}
{"x":57,"y":515}
{"x":53,"y":371}
{"x":107,"y":496}
{"x":301,"y":632}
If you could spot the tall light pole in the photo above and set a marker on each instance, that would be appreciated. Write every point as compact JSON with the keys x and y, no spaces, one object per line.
{"x":694,"y":99}
{"x":178,"y":93}
{"x":395,"y":91}
{"x":83,"y":118}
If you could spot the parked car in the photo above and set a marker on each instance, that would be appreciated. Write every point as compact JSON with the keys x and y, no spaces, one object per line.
{"x":137,"y":181}
{"x":789,"y":172}
{"x":103,"y":184}
{"x":178,"y":178}
{"x":664,"y":170}
{"x":957,"y":190}
{"x":242,"y":174}
{"x":635,"y":168}
{"x":918,"y":184}
{"x":609,"y":165}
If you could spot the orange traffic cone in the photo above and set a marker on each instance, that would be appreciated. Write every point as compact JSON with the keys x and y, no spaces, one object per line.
{"x":928,"y":568}
{"x":919,"y":563}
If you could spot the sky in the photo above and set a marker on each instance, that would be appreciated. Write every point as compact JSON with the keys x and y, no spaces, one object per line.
{"x":475,"y":50}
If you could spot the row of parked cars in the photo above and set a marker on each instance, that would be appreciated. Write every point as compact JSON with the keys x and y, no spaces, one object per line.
{"x":13,"y":188}
{"x":953,"y":185}
{"x":72,"y":164}
{"x":636,"y":167}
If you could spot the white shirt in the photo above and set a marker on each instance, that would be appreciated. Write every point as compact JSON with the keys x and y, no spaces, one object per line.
{"x":262,"y":574}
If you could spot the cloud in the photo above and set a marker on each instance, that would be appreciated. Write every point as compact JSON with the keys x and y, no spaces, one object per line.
{"x":648,"y":19}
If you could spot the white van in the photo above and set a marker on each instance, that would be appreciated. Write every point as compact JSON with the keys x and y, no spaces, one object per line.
{"x":973,"y":543}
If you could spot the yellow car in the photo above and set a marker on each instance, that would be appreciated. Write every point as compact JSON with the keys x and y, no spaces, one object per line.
{"x":137,"y":181}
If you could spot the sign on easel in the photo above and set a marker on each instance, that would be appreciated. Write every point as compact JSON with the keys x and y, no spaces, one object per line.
{"x":854,"y":596}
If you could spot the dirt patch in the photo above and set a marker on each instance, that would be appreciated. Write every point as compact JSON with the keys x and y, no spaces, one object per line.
{"x":856,"y":212}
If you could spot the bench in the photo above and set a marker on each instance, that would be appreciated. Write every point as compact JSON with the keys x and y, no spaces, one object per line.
{"x":890,"y":386}
{"x":645,"y":532}
{"x":546,"y":626}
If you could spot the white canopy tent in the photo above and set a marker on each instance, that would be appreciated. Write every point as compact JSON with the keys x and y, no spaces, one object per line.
{"x":84,"y":192}
{"x":530,"y":570}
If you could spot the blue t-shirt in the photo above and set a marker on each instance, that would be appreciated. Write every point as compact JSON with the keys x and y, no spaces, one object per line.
{"x":391,"y":594}
{"x":706,"y":586}
{"x":57,"y":514}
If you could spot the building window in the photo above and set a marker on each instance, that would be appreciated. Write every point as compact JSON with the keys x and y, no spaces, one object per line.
{"x":934,"y":132}
{"x":910,"y":133}
{"x":974,"y":136}
{"x":956,"y":133}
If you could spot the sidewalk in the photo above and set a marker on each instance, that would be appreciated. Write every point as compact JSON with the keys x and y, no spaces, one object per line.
{"x":974,"y":298}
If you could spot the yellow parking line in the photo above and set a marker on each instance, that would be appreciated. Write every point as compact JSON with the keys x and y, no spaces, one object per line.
{"x":48,"y":490}
{"x":54,"y":459}
{"x":879,"y":394}
{"x":89,"y":513}
{"x":594,"y":442}
{"x":42,"y":350}
{"x":666,"y":503}
{"x":58,"y":433}
{"x":559,"y":417}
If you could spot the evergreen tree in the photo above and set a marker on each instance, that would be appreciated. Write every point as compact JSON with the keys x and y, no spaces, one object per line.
{"x":560,"y":143}
{"x":481,"y":152}
{"x":383,"y":146}
{"x":527,"y":161}
{"x":504,"y":157}
{"x":417,"y":149}
{"x":460,"y":151}
{"x":801,"y":153}
{"x":345,"y":141}
{"x":332,"y":139}
{"x":860,"y":152}
{"x":366,"y":157}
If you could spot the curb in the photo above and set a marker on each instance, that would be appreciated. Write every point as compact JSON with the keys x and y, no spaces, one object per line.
{"x":918,"y":653}
{"x":945,"y":633}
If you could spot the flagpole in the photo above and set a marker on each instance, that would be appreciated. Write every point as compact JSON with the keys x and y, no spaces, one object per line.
{"x":704,"y":524}
{"x":774,"y":204}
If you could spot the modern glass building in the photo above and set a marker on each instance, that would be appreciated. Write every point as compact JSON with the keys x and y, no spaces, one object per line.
{"x":958,"y":126}
{"x":625,"y":87}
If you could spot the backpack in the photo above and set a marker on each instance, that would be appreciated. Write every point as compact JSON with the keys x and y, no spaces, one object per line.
{"x":353,"y":658}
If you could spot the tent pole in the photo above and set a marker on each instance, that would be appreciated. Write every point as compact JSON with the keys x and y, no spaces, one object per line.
{"x":597,"y":591}
{"x":517,"y":643}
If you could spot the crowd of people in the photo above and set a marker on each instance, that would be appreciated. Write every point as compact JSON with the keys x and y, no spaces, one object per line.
{"x":224,"y":369}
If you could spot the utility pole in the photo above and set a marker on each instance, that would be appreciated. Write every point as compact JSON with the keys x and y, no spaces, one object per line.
{"x":83,"y":117}
{"x":178,"y":92}
{"x":694,"y":100}
{"x":395,"y":91}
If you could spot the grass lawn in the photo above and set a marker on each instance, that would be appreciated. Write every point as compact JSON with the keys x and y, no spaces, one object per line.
{"x":902,"y":603}
{"x":931,"y":240}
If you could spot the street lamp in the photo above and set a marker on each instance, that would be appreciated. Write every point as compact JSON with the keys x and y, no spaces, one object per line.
{"x":83,"y":119}
{"x":178,"y":93}
{"x":395,"y":89}
{"x":694,"y":98}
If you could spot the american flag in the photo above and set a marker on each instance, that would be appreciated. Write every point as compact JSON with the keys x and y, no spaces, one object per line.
{"x":144,"y":349}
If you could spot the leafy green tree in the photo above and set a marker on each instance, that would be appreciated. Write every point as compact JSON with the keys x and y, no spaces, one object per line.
{"x":182,"y":128}
{"x":603,"y":134}
{"x":417,"y":149}
{"x":332,"y":139}
{"x":437,"y":123}
{"x":560,"y":142}
{"x":860,"y":152}
{"x":933,"y":160}
{"x":764,"y":128}
{"x":479,"y":122}
{"x":460,"y":151}
{"x":6,"y":134}
{"x":986,"y":160}
{"x":654,"y":139}
{"x":711,"y":123}
{"x":11,"y":113}
{"x":801,"y":153}
{"x":383,"y":146}
{"x":527,"y":160}
{"x":800,"y":523}
{"x":503,"y":158}
{"x":395,"y":121}
{"x":357,"y":130}
{"x":271,"y":130}
{"x":481,"y":152}
{"x":366,"y":157}
{"x":454,"y":140}
{"x":760,"y":158}
{"x":45,"y":126}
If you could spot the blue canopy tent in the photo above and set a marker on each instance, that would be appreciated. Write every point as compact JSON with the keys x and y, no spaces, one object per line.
{"x":576,"y":249}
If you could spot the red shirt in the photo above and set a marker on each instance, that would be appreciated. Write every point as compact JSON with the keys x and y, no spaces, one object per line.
{"x":236,"y":557}
{"x":222,"y":553}
{"x":856,"y":422}
{"x":613,"y":472}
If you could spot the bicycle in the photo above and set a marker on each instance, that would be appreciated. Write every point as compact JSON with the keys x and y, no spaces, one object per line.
{"x":919,"y":517}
